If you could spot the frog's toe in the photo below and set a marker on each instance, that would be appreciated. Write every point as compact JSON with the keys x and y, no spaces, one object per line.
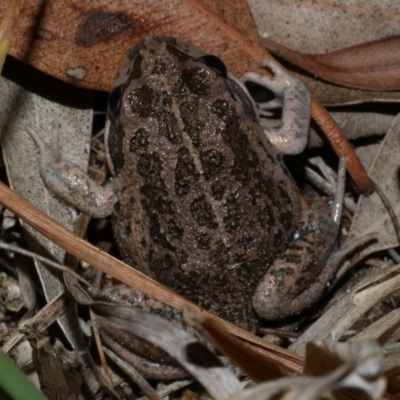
{"x":47,"y":151}
{"x":270,"y":105}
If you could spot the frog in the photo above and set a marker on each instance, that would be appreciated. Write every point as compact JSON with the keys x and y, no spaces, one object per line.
{"x":200,"y":198}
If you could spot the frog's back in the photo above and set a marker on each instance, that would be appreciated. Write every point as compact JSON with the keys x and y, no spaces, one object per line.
{"x":203,"y":205}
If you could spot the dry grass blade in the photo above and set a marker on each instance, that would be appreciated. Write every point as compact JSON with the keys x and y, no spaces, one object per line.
{"x":8,"y":22}
{"x":100,"y":351}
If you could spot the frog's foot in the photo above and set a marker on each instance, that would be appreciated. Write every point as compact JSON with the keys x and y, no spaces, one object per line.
{"x":291,"y":137}
{"x":68,"y":182}
{"x":297,"y":279}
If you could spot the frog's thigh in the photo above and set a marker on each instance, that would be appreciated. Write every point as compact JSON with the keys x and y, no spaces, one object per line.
{"x":291,"y":137}
{"x":297,"y":279}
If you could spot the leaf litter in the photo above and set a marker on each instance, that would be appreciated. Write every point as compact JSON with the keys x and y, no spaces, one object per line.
{"x":355,"y":367}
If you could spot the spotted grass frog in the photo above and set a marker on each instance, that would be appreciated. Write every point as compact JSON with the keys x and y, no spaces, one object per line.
{"x":200,"y":198}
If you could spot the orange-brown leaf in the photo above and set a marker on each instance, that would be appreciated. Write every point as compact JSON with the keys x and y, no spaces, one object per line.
{"x":84,"y":42}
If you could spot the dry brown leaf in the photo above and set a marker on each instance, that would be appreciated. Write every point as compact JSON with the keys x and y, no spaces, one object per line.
{"x":324,"y":26}
{"x":369,"y":66}
{"x":84,"y":43}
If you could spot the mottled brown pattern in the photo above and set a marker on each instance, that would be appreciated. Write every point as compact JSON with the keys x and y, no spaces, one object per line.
{"x":211,"y":204}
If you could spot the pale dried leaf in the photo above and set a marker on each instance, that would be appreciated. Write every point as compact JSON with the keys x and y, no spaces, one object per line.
{"x":371,"y":214}
{"x":280,"y":389}
{"x":19,"y":108}
{"x":342,"y":314}
{"x":321,"y":27}
{"x":333,"y":95}
{"x":336,"y":24}
{"x":171,"y":388}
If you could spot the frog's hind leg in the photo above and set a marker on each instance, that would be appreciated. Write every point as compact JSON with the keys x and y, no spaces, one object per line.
{"x":291,"y":137}
{"x":298,"y":277}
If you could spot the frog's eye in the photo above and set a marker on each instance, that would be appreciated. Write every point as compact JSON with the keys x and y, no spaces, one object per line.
{"x":216,"y":64}
{"x":114,"y":101}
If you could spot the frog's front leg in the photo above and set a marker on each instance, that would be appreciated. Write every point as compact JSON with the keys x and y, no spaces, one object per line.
{"x":298,"y":277}
{"x":291,"y":137}
{"x":68,"y":182}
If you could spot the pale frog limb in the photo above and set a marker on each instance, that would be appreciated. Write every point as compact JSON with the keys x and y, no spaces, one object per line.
{"x":69,"y":182}
{"x":291,"y":137}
